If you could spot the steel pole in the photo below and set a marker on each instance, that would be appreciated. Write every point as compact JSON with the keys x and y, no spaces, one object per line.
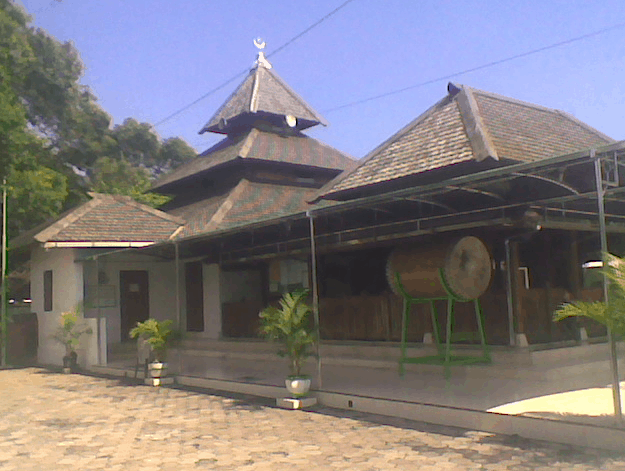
{"x":5,"y":323}
{"x":177,"y":272}
{"x":98,"y":308}
{"x":509,"y":299}
{"x":616,"y":390}
{"x":315,"y":293}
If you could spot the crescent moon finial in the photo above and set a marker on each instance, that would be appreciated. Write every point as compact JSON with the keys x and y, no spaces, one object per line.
{"x":261,"y":60}
{"x":259,"y":43}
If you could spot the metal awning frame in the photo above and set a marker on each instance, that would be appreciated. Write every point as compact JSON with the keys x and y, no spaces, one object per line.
{"x":568,"y":213}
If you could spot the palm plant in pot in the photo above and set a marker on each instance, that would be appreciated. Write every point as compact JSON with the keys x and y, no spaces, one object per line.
{"x":290,"y":325}
{"x":68,"y":334}
{"x":158,"y":335}
{"x":612,"y":314}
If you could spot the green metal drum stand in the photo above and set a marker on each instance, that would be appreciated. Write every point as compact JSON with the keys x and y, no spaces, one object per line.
{"x":444,"y":356}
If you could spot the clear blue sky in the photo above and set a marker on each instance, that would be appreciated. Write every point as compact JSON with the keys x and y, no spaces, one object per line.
{"x":147,"y":58}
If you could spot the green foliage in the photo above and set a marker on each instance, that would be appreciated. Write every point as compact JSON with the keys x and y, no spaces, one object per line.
{"x":137,"y":143}
{"x":290,"y":325}
{"x":52,"y":126}
{"x":612,"y":314}
{"x":119,"y":177}
{"x":15,"y":53}
{"x":175,"y":152}
{"x":35,"y":195}
{"x":157,"y":334}
{"x":70,"y":330}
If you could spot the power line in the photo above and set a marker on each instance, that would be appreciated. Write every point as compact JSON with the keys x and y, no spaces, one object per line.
{"x":479,"y":67}
{"x":234,"y":77}
{"x":206,"y":95}
{"x":317,"y":23}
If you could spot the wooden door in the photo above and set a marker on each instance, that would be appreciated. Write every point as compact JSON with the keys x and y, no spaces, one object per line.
{"x":195,"y":296}
{"x":134,"y":299}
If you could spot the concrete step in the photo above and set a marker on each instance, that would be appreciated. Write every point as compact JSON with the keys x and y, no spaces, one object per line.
{"x":532,"y":365}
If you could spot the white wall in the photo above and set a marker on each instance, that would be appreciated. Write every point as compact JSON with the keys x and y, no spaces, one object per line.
{"x":110,"y":314}
{"x":67,"y":289}
{"x":161,"y":282}
{"x":68,"y":283}
{"x":212,"y":300}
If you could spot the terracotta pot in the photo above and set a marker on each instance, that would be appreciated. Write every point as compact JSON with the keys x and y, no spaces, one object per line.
{"x":298,"y":386}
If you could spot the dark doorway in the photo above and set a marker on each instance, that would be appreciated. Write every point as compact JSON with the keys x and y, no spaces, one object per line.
{"x":195,"y":296}
{"x":134,"y":299}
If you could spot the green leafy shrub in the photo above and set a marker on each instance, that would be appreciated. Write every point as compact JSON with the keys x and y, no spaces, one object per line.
{"x":612,"y":314}
{"x":70,"y":331}
{"x":290,"y":325}
{"x":158,"y":335}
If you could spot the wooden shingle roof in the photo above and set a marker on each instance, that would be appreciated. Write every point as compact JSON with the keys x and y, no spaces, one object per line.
{"x":261,"y":145}
{"x":469,"y":125}
{"x":263,"y":92}
{"x":106,"y":219}
{"x":246,"y":203}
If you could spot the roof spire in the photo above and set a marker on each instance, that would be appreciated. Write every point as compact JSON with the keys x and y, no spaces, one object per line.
{"x":261,"y":60}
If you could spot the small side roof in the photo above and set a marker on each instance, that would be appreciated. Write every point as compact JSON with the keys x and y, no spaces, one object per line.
{"x":469,"y":125}
{"x":105,"y":220}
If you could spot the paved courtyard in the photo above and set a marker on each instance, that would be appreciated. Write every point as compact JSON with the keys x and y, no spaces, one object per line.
{"x":50,"y":421}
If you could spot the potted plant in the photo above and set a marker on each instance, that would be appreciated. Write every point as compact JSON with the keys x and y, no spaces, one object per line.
{"x":158,"y":335}
{"x":290,"y":325}
{"x":612,"y":314}
{"x":68,"y":334}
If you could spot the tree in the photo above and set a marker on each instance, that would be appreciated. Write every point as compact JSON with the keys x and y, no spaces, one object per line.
{"x":137,"y":143}
{"x":141,"y":147}
{"x":52,"y":130}
{"x":36,"y":194}
{"x":119,"y":177}
{"x":175,"y":152}
{"x":611,"y":314}
{"x":14,"y":54}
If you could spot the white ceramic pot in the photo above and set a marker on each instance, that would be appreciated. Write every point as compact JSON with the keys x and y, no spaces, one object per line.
{"x":158,"y":369}
{"x":298,"y":386}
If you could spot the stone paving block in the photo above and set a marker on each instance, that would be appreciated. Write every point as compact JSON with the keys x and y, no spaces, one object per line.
{"x":83,"y":422}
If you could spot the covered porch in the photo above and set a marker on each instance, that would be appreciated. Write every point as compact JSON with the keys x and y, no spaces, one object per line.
{"x":543,"y":223}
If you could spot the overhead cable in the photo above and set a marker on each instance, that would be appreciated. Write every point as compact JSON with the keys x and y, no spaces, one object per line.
{"x":240,"y":74}
{"x":479,"y":67}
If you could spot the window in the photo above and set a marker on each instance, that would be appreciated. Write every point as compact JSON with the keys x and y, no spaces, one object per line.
{"x":47,"y":290}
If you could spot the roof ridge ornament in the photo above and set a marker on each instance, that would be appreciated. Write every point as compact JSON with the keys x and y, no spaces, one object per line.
{"x":261,"y":60}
